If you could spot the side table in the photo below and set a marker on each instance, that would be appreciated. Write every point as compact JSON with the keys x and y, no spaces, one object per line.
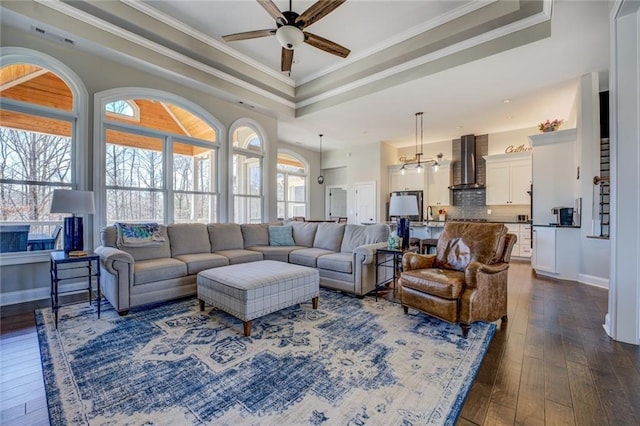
{"x":78,"y":263}
{"x":391,"y":258}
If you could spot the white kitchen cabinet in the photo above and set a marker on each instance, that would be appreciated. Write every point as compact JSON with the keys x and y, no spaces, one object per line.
{"x":556,"y":251}
{"x":508,"y":178}
{"x":410,"y":181}
{"x":438,"y":184}
{"x":522,"y":231}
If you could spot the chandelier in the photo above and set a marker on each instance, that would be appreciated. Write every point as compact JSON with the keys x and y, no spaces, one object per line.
{"x":417,"y":160}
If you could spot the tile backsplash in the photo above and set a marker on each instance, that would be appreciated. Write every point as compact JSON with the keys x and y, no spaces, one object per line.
{"x":498,"y":213}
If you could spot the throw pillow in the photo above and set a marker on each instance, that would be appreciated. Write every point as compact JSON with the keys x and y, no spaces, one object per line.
{"x":281,"y":236}
{"x":138,"y":234}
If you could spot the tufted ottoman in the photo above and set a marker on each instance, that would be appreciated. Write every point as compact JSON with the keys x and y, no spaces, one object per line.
{"x":251,"y":290}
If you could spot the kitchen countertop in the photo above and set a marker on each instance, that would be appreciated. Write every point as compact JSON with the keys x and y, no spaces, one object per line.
{"x":553,"y":225}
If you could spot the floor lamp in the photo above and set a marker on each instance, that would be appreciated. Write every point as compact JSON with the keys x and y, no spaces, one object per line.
{"x":402,"y":206}
{"x":74,"y":202}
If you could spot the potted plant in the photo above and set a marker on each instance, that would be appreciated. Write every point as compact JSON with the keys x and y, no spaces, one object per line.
{"x":550,"y":126}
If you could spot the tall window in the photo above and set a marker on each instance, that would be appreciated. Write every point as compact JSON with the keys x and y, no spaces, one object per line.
{"x":292,"y":187}
{"x":247,"y":176}
{"x":160,"y":168}
{"x":37,"y":127}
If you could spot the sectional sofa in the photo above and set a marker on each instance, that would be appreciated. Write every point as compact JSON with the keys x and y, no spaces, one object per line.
{"x":344,"y":254}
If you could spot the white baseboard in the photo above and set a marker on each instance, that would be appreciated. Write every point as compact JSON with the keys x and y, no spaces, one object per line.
{"x":40,"y":293}
{"x":593,"y":280}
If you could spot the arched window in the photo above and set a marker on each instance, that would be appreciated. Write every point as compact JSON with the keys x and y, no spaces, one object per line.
{"x":247,"y":170}
{"x":292,"y":186}
{"x":164,"y":167}
{"x":39,"y":147}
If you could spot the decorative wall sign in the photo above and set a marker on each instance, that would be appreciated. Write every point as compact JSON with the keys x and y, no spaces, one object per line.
{"x":522,"y":148}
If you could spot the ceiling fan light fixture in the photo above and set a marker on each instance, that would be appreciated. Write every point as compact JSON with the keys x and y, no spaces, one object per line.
{"x":290,"y":37}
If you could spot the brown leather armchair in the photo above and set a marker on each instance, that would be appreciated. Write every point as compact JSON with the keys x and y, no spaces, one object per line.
{"x":466,"y":280}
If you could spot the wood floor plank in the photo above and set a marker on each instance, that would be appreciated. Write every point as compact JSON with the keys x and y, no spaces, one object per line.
{"x":558,"y":415}
{"x":530,"y":409}
{"x":500,"y":415}
{"x":587,"y":408}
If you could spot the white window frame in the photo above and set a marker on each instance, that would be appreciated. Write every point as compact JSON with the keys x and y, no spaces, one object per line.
{"x":307,"y":188}
{"x":244,"y":122}
{"x":101,"y":99}
{"x":79,"y":132}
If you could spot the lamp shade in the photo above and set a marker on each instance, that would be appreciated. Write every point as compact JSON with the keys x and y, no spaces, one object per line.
{"x":71,"y":201}
{"x":290,"y":37}
{"x":403,"y":205}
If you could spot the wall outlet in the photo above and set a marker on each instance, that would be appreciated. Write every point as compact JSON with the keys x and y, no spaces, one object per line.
{"x":488,"y":211}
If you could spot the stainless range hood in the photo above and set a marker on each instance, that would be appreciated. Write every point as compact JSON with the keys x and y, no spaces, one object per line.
{"x":466,"y":178}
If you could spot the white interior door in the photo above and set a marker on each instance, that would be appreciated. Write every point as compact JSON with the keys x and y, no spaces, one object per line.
{"x":366,"y":202}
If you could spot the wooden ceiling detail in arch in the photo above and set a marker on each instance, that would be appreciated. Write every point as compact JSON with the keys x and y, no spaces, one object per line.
{"x":37,"y":85}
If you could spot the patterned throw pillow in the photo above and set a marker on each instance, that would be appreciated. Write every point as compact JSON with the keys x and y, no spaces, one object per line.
{"x":281,"y":236}
{"x":138,"y":234}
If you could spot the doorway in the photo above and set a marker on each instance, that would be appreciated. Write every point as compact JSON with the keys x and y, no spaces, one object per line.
{"x":336,"y":201}
{"x":366,"y":202}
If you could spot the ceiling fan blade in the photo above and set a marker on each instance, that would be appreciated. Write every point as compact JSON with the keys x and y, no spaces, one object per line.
{"x":326,"y":45}
{"x":317,"y":11}
{"x":287,"y":59}
{"x":273,"y":10}
{"x":248,"y":34}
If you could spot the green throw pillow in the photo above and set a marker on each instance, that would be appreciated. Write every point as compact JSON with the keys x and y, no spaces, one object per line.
{"x":281,"y":236}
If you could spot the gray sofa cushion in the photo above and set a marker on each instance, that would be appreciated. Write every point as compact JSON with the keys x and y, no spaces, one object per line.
{"x":188,"y":238}
{"x":340,"y":262}
{"x":304,"y":233}
{"x":240,"y":256}
{"x":358,"y":235}
{"x":108,"y":237}
{"x":197,"y":262}
{"x":225,"y":236}
{"x":279,"y":253}
{"x":150,"y":270}
{"x":255,"y":234}
{"x":307,"y":256}
{"x":329,"y":236}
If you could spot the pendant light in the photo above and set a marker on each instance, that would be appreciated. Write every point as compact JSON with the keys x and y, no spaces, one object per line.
{"x":320,"y":177}
{"x":419,"y":154}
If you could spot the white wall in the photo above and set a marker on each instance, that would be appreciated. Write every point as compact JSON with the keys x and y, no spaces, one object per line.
{"x":499,"y":143}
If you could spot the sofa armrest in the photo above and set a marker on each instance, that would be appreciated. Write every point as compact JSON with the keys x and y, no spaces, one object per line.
{"x":110,"y":255}
{"x":367,"y":252}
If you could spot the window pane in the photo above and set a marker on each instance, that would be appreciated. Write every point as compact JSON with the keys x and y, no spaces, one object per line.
{"x":33,"y":156}
{"x":36,"y":85}
{"x":290,"y":163}
{"x":297,"y":209}
{"x":23,"y":202}
{"x":138,"y":206}
{"x":131,"y":166}
{"x":164,"y":117}
{"x":280,"y":210}
{"x":247,"y":209}
{"x":247,"y":175}
{"x":192,"y":168}
{"x":246,"y":138}
{"x":280,"y":187}
{"x":194,"y":207}
{"x":296,"y":188}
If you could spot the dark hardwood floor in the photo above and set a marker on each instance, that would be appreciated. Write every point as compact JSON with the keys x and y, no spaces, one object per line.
{"x":551,"y":364}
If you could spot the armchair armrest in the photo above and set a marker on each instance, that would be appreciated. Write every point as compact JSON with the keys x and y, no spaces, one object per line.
{"x":368,"y":251}
{"x":475,"y":269}
{"x":411,"y":261}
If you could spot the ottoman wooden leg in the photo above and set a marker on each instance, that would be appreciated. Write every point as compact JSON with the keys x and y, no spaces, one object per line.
{"x":314,"y":302}
{"x":247,"y":328}
{"x":201,"y":304}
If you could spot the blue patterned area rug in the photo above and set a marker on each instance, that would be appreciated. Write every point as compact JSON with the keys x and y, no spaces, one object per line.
{"x":352,"y":361}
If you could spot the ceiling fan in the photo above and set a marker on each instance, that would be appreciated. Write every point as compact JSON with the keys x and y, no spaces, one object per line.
{"x":289,"y":31}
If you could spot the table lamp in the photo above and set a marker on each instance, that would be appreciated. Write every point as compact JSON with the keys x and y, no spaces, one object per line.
{"x":402,"y":206}
{"x":74,"y":202}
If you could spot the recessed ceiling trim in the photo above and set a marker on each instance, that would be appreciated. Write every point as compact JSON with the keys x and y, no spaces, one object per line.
{"x":398,"y":38}
{"x":519,"y":25}
{"x":141,"y":41}
{"x":180,"y":26}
